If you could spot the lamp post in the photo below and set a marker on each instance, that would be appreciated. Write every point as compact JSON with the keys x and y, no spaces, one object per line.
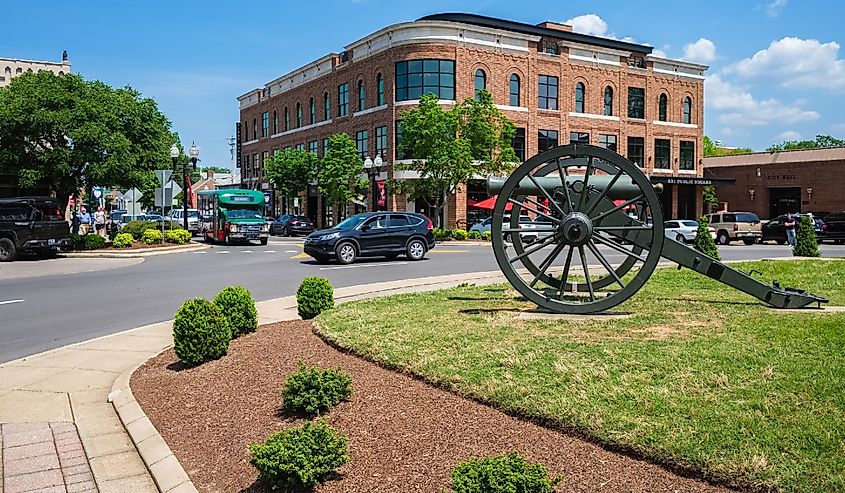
{"x":194,"y":153}
{"x":373,"y":168}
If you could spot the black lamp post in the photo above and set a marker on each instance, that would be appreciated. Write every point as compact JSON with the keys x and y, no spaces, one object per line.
{"x":194,"y":153}
{"x":373,"y":168}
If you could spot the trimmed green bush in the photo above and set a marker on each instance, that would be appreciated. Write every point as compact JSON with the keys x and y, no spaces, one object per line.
{"x":152,"y":237}
{"x":90,"y":241}
{"x":703,"y":242}
{"x":441,"y":234}
{"x":806,"y":243}
{"x":178,"y":236}
{"x":200,"y":332}
{"x":502,"y":474}
{"x":299,"y":457}
{"x":486,"y":235}
{"x":314,"y":390}
{"x":314,"y":295}
{"x":459,"y":234}
{"x":474,"y":235}
{"x":122,"y":240}
{"x":137,"y":228}
{"x":237,"y":305}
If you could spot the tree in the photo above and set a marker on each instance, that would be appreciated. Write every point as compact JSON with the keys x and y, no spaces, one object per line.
{"x":806,"y":243}
{"x":450,"y":146}
{"x":339,"y":171}
{"x":710,"y":199}
{"x":67,"y":132}
{"x":290,"y":171}
{"x":215,"y":169}
{"x":820,"y":141}
{"x":703,"y":242}
{"x":710,"y":149}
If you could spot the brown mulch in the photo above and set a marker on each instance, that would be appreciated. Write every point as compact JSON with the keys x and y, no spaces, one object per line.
{"x":404,"y":435}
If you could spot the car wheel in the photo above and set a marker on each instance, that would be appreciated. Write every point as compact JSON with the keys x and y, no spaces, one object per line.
{"x":507,"y":237}
{"x":226,"y":240}
{"x":346,"y":253}
{"x":749,"y":242}
{"x":723,"y":238}
{"x":8,"y":252}
{"x":781,"y":242}
{"x":264,"y":241}
{"x":680,"y":238}
{"x":415,"y":250}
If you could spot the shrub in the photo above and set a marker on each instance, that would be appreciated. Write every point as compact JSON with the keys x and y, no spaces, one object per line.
{"x":459,"y":234}
{"x":200,"y":332}
{"x":237,"y":305}
{"x":122,"y":240}
{"x":152,"y":237}
{"x":441,"y":234}
{"x":502,"y":474}
{"x":90,"y":241}
{"x":137,"y":228}
{"x":486,"y":235}
{"x":178,"y":236}
{"x":703,"y":242}
{"x":806,"y":244}
{"x":314,"y":390}
{"x":299,"y":457}
{"x":474,"y":235}
{"x":314,"y":295}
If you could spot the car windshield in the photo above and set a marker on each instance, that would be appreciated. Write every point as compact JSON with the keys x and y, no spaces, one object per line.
{"x":193,"y":214}
{"x":243,"y":214}
{"x":352,"y":222}
{"x":302,"y":218}
{"x":747,"y":217}
{"x":691,"y":224}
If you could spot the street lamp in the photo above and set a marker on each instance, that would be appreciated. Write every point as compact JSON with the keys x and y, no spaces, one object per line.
{"x":194,"y":153}
{"x":373,"y":169}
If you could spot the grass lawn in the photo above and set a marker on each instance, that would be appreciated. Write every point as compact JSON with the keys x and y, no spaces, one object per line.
{"x":701,"y":376}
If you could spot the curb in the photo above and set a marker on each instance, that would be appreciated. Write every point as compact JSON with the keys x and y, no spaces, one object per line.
{"x":136,"y":254}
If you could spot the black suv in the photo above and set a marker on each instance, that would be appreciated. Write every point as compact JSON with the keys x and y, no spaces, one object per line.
{"x":835,"y":227}
{"x":289,"y":225}
{"x":31,"y":225}
{"x":373,"y":234}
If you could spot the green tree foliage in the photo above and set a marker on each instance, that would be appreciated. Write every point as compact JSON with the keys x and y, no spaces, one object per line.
{"x":710,"y":149}
{"x":710,"y":199}
{"x":502,"y":474}
{"x":314,"y":295}
{"x":237,"y":305}
{"x":68,"y":132}
{"x":819,"y":141}
{"x":312,"y":390}
{"x":703,"y":242}
{"x":339,"y":170}
{"x":806,"y":243}
{"x":215,"y":169}
{"x":200,"y":332}
{"x":449,"y":146}
{"x":291,"y":170}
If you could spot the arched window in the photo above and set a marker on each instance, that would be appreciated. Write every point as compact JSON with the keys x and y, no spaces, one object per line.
{"x":662,"y":103}
{"x":298,"y":115}
{"x":608,"y":101}
{"x":380,"y":84}
{"x":687,"y":115}
{"x":514,"y":90}
{"x":312,"y":111}
{"x":480,"y":82}
{"x":362,"y":99}
{"x":287,"y":119}
{"x":254,"y":129}
{"x":327,"y":107}
{"x":275,"y":122}
{"x":246,"y":131}
{"x":579,"y":97}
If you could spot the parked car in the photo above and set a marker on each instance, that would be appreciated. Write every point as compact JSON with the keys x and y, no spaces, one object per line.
{"x":731,"y":226}
{"x":773,"y":230}
{"x":834,"y":227}
{"x":128,"y":218}
{"x":176,"y":215}
{"x":684,"y":230}
{"x":31,"y":224}
{"x":291,"y":225}
{"x":525,"y":222}
{"x":152,"y":217}
{"x":373,"y":234}
{"x":482,"y":226}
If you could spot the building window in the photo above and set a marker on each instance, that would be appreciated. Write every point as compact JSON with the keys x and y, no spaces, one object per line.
{"x":480,"y":82}
{"x":547,"y":92}
{"x":662,"y":103}
{"x":300,"y":147}
{"x":298,"y":115}
{"x":397,"y":143}
{"x":312,"y":111}
{"x":608,"y":101}
{"x":325,"y":146}
{"x":550,"y":48}
{"x":245,"y":164}
{"x":246,"y":131}
{"x":343,"y":99}
{"x":546,"y":139}
{"x":514,"y":93}
{"x":361,"y":143}
{"x":636,"y":150}
{"x":662,"y":153}
{"x":381,"y":141}
{"x":579,"y":97}
{"x":275,"y":122}
{"x":608,"y":142}
{"x":287,"y":119}
{"x":687,"y":155}
{"x":327,"y":107}
{"x":265,"y":124}
{"x":415,"y":78}
{"x":518,"y":143}
{"x":579,"y":138}
{"x":255,"y":164}
{"x":312,"y":147}
{"x":362,"y":96}
{"x":254,"y":129}
{"x":636,"y":102}
{"x":380,"y":84}
{"x":686,"y":117}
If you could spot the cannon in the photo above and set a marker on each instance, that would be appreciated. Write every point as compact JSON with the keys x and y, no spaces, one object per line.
{"x":601,"y":213}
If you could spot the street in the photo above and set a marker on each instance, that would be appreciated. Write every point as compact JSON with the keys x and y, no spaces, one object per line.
{"x":49,"y":304}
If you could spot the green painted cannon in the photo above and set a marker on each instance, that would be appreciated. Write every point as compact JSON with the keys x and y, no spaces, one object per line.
{"x":600,"y":212}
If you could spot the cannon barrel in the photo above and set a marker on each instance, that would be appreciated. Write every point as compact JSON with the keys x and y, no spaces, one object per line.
{"x":623,"y":189}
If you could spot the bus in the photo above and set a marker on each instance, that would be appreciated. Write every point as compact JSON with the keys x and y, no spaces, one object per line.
{"x":232,"y":216}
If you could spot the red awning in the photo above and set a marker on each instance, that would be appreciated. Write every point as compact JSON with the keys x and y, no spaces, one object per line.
{"x":488,"y":204}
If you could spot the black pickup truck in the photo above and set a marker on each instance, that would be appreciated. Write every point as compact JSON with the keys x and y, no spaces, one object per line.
{"x":31,"y":225}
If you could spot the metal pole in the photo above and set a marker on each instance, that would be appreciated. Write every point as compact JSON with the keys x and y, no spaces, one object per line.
{"x":185,"y":195}
{"x":373,"y":197}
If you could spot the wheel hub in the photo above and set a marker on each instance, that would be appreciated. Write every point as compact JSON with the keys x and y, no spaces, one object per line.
{"x":576,"y":229}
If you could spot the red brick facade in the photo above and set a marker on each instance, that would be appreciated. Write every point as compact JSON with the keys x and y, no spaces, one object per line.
{"x":499,"y":53}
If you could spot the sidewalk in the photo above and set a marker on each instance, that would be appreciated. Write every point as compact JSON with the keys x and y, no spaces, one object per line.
{"x":65,"y":413}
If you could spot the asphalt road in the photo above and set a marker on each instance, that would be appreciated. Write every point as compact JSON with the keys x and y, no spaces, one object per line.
{"x":49,"y":305}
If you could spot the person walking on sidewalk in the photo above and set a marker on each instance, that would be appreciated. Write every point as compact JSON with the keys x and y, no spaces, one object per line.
{"x":789,"y":226}
{"x":84,"y":220}
{"x":100,"y":222}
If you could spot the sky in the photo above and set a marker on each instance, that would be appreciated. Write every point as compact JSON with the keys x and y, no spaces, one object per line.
{"x":776,"y":70}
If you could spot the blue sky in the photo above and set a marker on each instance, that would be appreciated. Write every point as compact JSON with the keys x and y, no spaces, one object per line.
{"x":776,"y":68}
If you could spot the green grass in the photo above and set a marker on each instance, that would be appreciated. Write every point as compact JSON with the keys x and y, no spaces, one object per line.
{"x":701,"y":376}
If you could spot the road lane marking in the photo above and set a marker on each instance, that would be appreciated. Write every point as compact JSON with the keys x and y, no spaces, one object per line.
{"x":9,"y":302}
{"x":302,"y":255}
{"x":291,"y":251}
{"x":271,"y":251}
{"x":224,"y":251}
{"x":385,"y":264}
{"x":246,"y":251}
{"x":448,"y":251}
{"x":201,"y":253}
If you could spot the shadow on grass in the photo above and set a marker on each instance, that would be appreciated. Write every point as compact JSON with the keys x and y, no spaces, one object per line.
{"x":474,"y":298}
{"x":487,"y":311}
{"x":717,"y":302}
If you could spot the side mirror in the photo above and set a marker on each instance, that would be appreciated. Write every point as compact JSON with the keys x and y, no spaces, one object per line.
{"x":365,"y":227}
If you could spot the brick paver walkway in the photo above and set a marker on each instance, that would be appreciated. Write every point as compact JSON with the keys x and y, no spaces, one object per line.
{"x":43,"y":457}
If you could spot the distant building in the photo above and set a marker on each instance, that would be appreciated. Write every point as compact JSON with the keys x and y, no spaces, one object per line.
{"x":12,"y":67}
{"x":215,"y":181}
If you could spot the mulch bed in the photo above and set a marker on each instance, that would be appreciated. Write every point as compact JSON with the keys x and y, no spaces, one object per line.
{"x":404,"y":435}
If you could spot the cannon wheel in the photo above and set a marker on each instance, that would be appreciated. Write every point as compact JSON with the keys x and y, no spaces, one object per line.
{"x":580,"y":218}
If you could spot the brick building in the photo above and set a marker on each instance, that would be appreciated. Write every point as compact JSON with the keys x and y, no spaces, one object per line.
{"x":557,"y":86}
{"x":773,"y":183}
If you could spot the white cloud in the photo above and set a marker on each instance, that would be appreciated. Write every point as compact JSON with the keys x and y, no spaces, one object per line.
{"x":659,"y":52}
{"x":588,"y":24}
{"x":702,"y":51}
{"x":796,"y":62}
{"x":736,"y":106}
{"x":773,"y":9}
{"x":789,"y":135}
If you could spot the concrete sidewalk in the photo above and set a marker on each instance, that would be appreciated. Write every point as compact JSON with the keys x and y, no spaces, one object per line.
{"x":53,"y":401}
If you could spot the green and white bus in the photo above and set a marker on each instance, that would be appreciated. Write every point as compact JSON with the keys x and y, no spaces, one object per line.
{"x":232,"y":215}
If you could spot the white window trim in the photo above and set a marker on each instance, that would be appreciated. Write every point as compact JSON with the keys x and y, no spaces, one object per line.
{"x":370,"y":110}
{"x":417,"y":101}
{"x":678,"y":74}
{"x":674,"y":124}
{"x":250,"y":142}
{"x":594,"y":116}
{"x":664,"y":171}
{"x":504,"y":107}
{"x":687,"y":171}
{"x":306,"y":127}
{"x":580,"y":58}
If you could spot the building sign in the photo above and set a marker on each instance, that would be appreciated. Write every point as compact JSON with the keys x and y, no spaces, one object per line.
{"x":781,"y":177}
{"x":686,"y":181}
{"x":240,"y":198}
{"x":238,"y":148}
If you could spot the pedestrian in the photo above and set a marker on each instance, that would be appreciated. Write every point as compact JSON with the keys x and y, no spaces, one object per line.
{"x":100,"y":221}
{"x":789,"y":226}
{"x":84,"y":220}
